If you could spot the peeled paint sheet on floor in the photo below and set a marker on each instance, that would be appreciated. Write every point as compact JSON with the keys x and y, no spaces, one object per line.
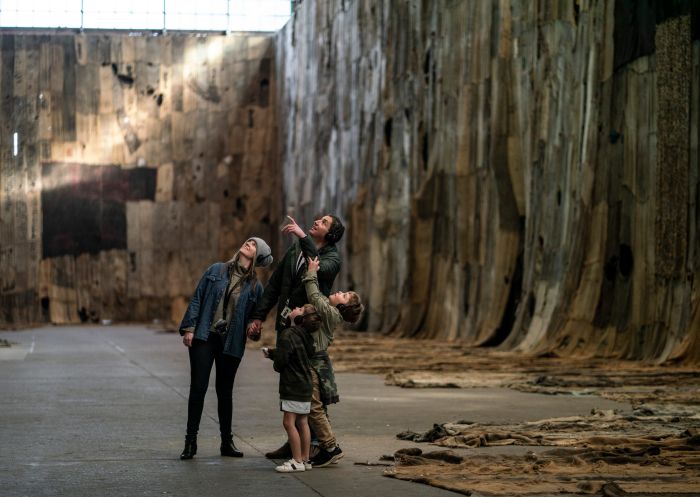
{"x":452,"y":365}
{"x":547,"y":473}
{"x":653,"y":450}
{"x":656,"y":449}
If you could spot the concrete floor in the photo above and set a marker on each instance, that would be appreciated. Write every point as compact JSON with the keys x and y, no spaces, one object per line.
{"x":92,"y":411}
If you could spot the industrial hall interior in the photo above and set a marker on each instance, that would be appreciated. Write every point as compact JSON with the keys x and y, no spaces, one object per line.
{"x":350,"y":248}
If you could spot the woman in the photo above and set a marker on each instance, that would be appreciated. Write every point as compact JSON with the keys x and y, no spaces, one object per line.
{"x":213,"y":329}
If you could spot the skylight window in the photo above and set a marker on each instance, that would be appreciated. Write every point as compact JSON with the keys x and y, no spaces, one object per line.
{"x":170,"y":15}
{"x":40,"y":13}
{"x":124,"y":14}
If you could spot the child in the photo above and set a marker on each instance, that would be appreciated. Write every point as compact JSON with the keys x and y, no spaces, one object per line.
{"x":339,"y":307}
{"x":295,"y":347}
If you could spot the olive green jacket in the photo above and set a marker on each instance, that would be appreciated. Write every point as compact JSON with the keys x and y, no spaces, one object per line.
{"x":330,"y":315}
{"x":323,"y":337}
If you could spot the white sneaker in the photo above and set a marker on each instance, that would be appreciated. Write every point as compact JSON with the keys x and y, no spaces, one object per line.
{"x":291,"y":466}
{"x":307,"y":466}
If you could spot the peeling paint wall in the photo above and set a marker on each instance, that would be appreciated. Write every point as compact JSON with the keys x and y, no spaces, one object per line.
{"x":141,"y":160}
{"x":514,"y":173}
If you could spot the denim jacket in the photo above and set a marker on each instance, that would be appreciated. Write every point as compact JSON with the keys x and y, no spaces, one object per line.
{"x":200,"y":311}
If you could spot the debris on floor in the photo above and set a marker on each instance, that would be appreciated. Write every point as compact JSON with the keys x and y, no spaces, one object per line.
{"x":453,"y":365}
{"x":653,"y":449}
{"x":656,"y":449}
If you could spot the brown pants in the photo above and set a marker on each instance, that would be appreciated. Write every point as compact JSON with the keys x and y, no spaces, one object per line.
{"x":318,"y":419}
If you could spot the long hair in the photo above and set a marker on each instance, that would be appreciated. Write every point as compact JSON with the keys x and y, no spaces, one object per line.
{"x":250,"y":276}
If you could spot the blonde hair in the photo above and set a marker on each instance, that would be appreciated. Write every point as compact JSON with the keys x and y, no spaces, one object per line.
{"x":250,"y":274}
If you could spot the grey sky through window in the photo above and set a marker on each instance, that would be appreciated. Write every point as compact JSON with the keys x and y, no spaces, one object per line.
{"x":203,"y":15}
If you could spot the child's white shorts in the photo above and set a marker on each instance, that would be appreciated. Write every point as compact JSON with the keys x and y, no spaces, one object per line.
{"x":295,"y":406}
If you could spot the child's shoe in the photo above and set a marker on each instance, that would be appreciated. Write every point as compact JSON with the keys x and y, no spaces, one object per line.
{"x":290,"y":466}
{"x":307,"y":466}
{"x":324,"y":457}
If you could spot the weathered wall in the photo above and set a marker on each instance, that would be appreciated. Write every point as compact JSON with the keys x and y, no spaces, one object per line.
{"x":141,"y":160}
{"x":514,"y":172}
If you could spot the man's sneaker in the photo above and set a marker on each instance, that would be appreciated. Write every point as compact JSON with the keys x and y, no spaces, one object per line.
{"x":324,"y":457}
{"x":337,"y":455}
{"x":307,"y":465}
{"x":283,"y":452}
{"x":290,"y":466}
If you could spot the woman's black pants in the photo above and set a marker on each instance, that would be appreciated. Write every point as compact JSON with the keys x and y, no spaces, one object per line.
{"x":202,"y":355}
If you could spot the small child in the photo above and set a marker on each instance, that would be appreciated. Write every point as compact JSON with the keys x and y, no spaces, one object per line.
{"x":333,"y":310}
{"x":295,"y":347}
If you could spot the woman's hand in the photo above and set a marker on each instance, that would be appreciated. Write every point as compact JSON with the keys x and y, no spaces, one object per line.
{"x":314,"y":264}
{"x":254,"y":330}
{"x":187,"y":338}
{"x":293,"y":228}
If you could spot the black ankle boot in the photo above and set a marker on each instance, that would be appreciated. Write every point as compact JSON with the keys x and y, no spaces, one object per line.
{"x":190,"y":447}
{"x":228,"y":448}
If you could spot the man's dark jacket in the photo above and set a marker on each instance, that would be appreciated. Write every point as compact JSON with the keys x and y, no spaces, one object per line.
{"x":285,"y":286}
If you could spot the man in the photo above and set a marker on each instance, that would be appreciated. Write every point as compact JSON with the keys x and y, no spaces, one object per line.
{"x":286,"y":288}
